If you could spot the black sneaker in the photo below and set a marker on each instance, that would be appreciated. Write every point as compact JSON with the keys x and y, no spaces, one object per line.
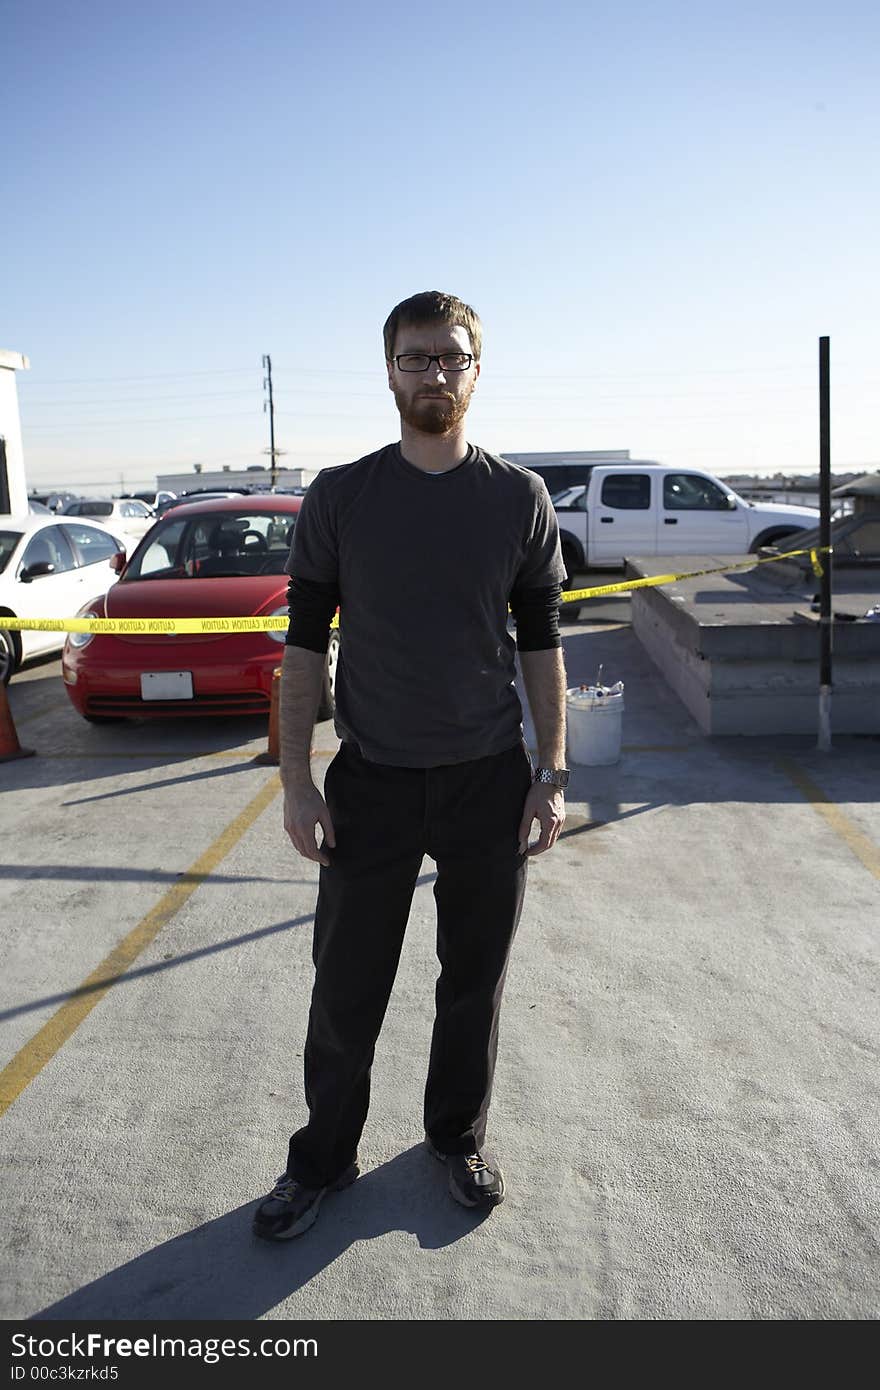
{"x":475,"y":1180}
{"x":292,"y":1208}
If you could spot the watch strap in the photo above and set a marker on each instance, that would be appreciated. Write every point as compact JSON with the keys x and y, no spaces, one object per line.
{"x":552,"y":776}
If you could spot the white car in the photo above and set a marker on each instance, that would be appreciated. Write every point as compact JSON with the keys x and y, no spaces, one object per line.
{"x":49,"y":567}
{"x":568,"y":497}
{"x":127,"y":514}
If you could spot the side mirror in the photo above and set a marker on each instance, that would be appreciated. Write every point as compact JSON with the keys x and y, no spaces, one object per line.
{"x":731,"y":503}
{"x":36,"y":571}
{"x":117,"y":562}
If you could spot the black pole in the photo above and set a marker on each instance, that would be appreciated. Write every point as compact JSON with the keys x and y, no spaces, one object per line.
{"x":825,"y":619}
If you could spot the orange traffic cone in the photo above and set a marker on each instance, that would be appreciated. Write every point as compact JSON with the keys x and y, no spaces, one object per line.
{"x":9,"y":744}
{"x":272,"y":756}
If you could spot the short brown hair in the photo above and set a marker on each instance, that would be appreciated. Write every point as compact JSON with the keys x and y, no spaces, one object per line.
{"x":432,"y":306}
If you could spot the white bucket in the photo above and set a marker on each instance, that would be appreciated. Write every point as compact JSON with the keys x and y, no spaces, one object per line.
{"x":594,"y":720}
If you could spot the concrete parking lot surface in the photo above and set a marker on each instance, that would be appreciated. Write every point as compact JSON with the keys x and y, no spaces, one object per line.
{"x":686,"y":1101}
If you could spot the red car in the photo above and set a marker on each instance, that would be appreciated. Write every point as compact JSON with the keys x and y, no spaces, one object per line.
{"x":210,"y":559}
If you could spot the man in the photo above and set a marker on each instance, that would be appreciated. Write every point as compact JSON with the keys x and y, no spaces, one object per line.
{"x":422,"y":545}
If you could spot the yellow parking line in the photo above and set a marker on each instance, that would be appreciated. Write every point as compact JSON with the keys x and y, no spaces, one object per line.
{"x":863,"y":848}
{"x":29,"y":1062}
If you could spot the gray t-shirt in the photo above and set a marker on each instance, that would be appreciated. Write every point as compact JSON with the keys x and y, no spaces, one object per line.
{"x":424,"y":565}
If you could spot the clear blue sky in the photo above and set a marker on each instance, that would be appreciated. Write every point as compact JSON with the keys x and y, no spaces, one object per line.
{"x":656,"y":210}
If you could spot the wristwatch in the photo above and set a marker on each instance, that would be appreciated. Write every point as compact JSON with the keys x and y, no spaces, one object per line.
{"x":552,"y":776}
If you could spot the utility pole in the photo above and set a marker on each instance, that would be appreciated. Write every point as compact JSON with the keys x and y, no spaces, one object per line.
{"x":826,"y":622}
{"x":272,"y":451}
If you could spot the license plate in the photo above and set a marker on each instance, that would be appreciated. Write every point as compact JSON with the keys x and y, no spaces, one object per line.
{"x":167,"y":685}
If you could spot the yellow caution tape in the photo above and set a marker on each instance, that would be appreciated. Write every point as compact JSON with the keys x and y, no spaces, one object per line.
{"x":570,"y":595}
{"x":170,"y":627}
{"x":148,"y":627}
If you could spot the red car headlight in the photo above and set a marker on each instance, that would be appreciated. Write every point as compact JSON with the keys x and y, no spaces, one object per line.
{"x":281,"y":634}
{"x":82,"y":639}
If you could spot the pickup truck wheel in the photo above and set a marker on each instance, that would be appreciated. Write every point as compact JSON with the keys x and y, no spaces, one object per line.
{"x":327,"y":704}
{"x":772,"y":538}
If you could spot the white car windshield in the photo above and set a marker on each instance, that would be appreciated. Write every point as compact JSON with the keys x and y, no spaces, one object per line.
{"x":220,"y":545}
{"x":93,"y":509}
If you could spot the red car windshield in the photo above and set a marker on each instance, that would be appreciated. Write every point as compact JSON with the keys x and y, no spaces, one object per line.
{"x":218,"y":545}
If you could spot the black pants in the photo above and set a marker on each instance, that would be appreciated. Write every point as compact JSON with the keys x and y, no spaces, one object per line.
{"x":466,"y":817}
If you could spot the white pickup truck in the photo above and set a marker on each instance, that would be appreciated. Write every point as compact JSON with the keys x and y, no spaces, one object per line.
{"x":651,"y":509}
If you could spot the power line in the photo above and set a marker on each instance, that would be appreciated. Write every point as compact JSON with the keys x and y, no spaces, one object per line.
{"x":154,"y":376}
{"x":117,"y":424}
{"x":147,"y":400}
{"x":29,"y":384}
{"x":487,"y":392}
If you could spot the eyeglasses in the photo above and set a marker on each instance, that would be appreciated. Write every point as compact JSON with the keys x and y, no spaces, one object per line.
{"x":446,"y":361}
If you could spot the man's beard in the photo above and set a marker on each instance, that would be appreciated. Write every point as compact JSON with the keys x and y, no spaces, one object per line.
{"x":433,"y":415}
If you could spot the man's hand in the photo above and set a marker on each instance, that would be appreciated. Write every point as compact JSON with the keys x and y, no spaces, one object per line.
{"x":304,"y":809}
{"x":546,"y":805}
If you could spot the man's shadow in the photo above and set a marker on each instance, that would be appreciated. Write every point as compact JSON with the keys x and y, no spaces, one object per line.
{"x":221,"y":1271}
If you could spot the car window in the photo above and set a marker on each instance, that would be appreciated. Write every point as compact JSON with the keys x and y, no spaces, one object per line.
{"x":222,"y":544}
{"x":8,"y":541}
{"x":693,"y":492}
{"x":93,"y":509}
{"x":162,"y":556}
{"x":134,"y":509}
{"x":49,"y":546}
{"x":629,"y":491}
{"x":572,"y":499}
{"x":90,"y":544}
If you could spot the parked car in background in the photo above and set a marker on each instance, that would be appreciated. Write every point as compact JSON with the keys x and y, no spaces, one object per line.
{"x":49,"y":567}
{"x":127,"y":513}
{"x":157,"y":500}
{"x":55,"y":501}
{"x":184,"y":498}
{"x":209,"y":558}
{"x":654,"y":509}
{"x":567,"y":497}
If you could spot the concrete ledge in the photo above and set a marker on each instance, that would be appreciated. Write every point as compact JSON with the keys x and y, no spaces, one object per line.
{"x":743,"y":656}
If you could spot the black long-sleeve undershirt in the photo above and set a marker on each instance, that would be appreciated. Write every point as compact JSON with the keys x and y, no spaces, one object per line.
{"x":312,"y":605}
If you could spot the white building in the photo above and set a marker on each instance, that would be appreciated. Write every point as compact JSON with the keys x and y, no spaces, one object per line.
{"x":256,"y":476}
{"x":13,"y":488}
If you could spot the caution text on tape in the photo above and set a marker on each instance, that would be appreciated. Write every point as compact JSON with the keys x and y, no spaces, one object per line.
{"x":148,"y":627}
{"x":170,"y":627}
